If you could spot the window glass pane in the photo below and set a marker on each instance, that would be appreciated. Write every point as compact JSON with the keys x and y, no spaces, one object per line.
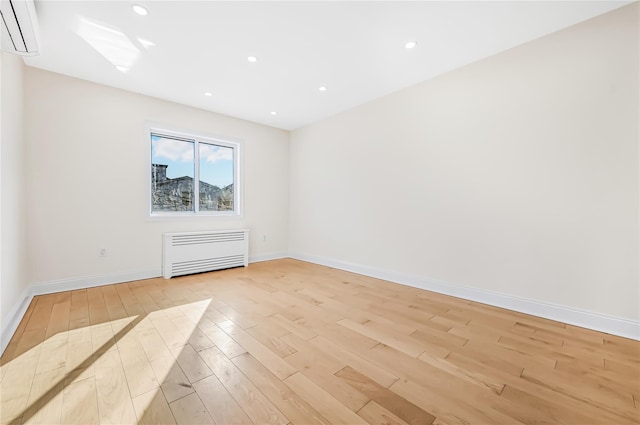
{"x":216,"y":178}
{"x":172,"y":172}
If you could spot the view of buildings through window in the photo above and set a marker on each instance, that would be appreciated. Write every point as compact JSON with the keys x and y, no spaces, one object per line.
{"x":191,"y":175}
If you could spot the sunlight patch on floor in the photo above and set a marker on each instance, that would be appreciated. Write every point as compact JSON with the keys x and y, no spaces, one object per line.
{"x":121,"y":367}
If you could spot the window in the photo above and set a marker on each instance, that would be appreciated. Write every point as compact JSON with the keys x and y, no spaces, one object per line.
{"x":193,"y":175}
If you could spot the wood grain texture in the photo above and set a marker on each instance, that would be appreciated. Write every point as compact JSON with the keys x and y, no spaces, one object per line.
{"x":219,"y":403}
{"x":114,"y":399}
{"x":287,"y":401}
{"x":256,"y":405}
{"x":189,"y":410}
{"x":375,"y":414}
{"x":292,"y":343}
{"x":385,"y":398}
{"x":322,"y":401}
{"x":80,"y":404}
{"x":152,"y":409}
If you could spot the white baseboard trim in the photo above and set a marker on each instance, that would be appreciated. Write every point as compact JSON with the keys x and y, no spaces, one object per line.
{"x":573,"y":316}
{"x":11,"y":321}
{"x":72,"y":284}
{"x":267,"y":257}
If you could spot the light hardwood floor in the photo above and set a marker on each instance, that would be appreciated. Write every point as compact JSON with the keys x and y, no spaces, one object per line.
{"x":288,"y":342}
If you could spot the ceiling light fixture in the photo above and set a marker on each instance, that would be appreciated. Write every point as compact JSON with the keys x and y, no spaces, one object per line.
{"x":208,"y":94}
{"x":410,"y":44}
{"x":322,"y":88}
{"x":140,"y":10}
{"x":122,"y":68}
{"x":252,"y":59}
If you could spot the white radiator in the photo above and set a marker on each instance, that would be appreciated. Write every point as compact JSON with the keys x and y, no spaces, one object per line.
{"x":196,"y":252}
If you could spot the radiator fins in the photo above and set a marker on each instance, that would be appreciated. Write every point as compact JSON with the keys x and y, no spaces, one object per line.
{"x":199,"y":266}
{"x":206,"y":238}
{"x":198,"y":252}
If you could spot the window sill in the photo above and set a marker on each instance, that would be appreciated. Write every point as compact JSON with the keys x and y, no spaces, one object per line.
{"x":193,"y":216}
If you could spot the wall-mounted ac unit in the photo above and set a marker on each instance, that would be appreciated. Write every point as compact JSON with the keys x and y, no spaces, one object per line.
{"x":20,"y":27}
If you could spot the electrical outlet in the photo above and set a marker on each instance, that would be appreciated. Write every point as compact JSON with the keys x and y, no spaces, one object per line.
{"x":103,"y":252}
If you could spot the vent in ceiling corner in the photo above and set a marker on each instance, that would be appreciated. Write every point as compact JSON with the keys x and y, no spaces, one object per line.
{"x":21,"y":24}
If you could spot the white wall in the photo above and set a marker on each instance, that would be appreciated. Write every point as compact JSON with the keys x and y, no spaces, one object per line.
{"x":13,"y":265}
{"x":87,"y":154}
{"x":517,"y":174}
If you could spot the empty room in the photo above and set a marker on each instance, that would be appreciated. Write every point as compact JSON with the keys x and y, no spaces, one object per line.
{"x":320,"y":212}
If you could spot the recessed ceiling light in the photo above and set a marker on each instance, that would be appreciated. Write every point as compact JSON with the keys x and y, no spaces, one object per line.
{"x":252,"y":59}
{"x":140,"y":10}
{"x":274,"y":113}
{"x":122,"y":68}
{"x":322,"y":88}
{"x":208,"y":94}
{"x":410,"y":44}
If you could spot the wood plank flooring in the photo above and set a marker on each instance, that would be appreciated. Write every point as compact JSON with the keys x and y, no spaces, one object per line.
{"x":288,"y":342}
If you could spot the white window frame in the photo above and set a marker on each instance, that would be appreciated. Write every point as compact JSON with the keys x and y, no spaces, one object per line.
{"x":197,"y":139}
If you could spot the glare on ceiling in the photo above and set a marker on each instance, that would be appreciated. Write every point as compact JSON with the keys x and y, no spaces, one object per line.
{"x":252,"y":59}
{"x":322,"y":88}
{"x":109,"y":41}
{"x":122,"y":68}
{"x":274,"y":113}
{"x":208,"y":94}
{"x":411,"y":44}
{"x":145,"y":43}
{"x":140,"y":10}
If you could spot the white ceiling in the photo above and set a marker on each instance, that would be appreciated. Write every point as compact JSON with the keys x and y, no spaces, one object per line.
{"x":355,"y":49}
